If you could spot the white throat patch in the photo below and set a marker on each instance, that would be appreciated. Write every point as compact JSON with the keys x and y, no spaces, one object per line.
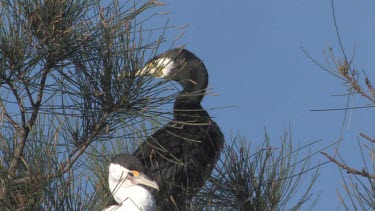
{"x":166,"y":64}
{"x":159,"y":68}
{"x":117,"y":177}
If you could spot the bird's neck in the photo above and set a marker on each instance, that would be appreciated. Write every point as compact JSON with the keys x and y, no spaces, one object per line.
{"x":187,"y":111}
{"x":194,"y":82}
{"x":187,"y":106}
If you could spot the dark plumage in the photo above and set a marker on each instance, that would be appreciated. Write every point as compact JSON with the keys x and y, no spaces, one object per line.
{"x":181,"y":155}
{"x":128,"y":161}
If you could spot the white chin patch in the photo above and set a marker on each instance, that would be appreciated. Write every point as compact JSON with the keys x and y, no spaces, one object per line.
{"x":160,"y":68}
{"x":117,"y":172}
{"x":166,"y":64}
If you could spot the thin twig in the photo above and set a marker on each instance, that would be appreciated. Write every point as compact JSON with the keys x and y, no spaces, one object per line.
{"x":9,"y":118}
{"x":78,"y":152}
{"x":349,"y":170}
{"x":367,"y":137}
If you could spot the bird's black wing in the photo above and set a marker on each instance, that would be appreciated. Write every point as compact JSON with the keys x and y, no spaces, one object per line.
{"x":181,"y":157}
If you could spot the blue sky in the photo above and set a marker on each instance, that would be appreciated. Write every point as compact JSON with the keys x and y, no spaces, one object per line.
{"x":252,"y":50}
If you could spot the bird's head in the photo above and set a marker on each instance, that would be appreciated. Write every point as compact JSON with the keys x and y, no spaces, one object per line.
{"x":182,"y":66}
{"x":174,"y":64}
{"x":125,"y":171}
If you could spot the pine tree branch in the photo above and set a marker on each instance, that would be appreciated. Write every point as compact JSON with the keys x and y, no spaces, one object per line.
{"x":27,"y":128}
{"x":351,"y":75}
{"x":348,"y":169}
{"x":65,"y":167}
{"x":70,"y":161}
{"x":367,"y":137}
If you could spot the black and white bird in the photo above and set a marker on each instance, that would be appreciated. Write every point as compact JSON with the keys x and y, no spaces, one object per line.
{"x":181,"y":155}
{"x":128,"y":185}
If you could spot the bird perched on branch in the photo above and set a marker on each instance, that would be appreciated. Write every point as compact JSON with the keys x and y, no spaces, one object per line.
{"x":181,"y":155}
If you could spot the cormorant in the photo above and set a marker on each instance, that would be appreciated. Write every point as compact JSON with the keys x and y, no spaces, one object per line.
{"x":125,"y":181}
{"x":181,"y":155}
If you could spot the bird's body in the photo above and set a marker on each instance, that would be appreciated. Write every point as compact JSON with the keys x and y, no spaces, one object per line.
{"x":125,"y":181}
{"x":134,"y":198}
{"x":181,"y":155}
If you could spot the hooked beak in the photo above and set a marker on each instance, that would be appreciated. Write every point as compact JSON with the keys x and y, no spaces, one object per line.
{"x":144,"y":180}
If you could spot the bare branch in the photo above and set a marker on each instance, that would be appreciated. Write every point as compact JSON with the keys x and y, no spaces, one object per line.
{"x":66,"y":166}
{"x":367,"y":137}
{"x":349,"y":170}
{"x":26,"y":128}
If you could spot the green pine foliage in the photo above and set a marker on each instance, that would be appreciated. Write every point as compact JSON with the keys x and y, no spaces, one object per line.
{"x":61,"y":93}
{"x":266,"y":177}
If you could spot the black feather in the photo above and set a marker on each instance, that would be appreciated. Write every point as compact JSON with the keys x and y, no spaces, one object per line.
{"x":130,"y":162}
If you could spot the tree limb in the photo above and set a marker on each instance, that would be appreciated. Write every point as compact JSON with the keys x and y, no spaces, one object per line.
{"x":27,"y":128}
{"x":349,"y":170}
{"x":367,"y":137}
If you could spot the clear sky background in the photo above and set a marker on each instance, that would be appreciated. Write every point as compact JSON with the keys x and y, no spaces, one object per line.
{"x":252,"y":50}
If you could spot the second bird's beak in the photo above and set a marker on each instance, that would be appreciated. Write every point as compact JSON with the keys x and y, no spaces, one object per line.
{"x":144,"y":180}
